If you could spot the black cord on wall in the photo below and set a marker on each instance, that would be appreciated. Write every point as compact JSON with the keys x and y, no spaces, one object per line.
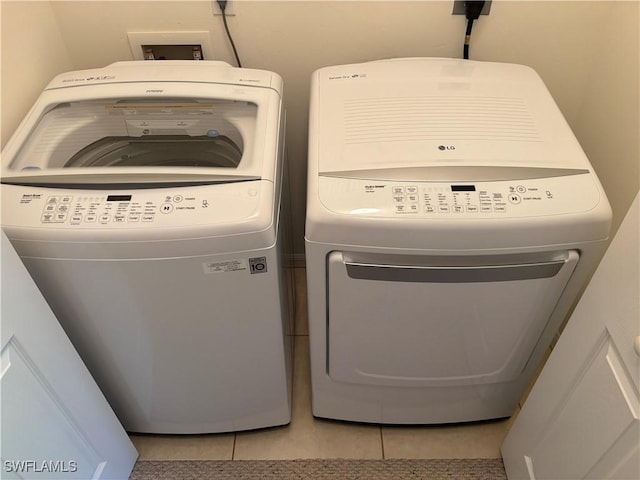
{"x":223,"y":7}
{"x":472,"y":11}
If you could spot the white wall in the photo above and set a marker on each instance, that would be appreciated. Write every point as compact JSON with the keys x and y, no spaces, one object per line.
{"x":32,"y":53}
{"x":587,"y":53}
{"x":608,"y":121}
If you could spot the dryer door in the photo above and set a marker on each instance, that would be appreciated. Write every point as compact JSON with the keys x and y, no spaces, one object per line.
{"x":438,"y":322}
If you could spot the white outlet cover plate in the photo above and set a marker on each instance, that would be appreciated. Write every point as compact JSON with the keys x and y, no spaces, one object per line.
{"x":229,"y":11}
{"x":138,"y":39}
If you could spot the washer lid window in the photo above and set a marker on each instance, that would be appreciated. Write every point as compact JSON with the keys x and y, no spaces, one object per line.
{"x":138,"y":142}
{"x":159,"y":150}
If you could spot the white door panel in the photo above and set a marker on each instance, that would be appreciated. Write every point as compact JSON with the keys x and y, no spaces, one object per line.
{"x":55,"y":422}
{"x":603,"y":392}
{"x":581,"y":419}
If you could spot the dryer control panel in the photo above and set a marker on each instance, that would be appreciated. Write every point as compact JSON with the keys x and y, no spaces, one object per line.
{"x":506,"y":198}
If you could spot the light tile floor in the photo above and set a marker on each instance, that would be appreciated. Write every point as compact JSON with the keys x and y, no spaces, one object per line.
{"x":309,"y":437}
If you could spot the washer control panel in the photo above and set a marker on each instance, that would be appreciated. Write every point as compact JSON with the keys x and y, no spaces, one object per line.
{"x":508,"y":198}
{"x":196,"y":205}
{"x":106,"y":209}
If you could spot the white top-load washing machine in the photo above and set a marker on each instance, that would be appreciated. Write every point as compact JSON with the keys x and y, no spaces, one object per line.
{"x":452,"y":220}
{"x":145,"y":200}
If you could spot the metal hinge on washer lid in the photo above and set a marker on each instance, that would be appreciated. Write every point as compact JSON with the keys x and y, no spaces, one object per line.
{"x":125,"y":180}
{"x":455,"y":173}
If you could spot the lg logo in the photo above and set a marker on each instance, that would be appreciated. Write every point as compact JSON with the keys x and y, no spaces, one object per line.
{"x":446,"y":147}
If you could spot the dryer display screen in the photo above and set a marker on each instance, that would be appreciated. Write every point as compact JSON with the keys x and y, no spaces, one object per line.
{"x":463,"y":188}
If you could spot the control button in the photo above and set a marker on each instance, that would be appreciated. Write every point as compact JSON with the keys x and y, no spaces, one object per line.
{"x":444,"y":208}
{"x":147,"y":218}
{"x":514,"y":198}
{"x":60,"y":217}
{"x":52,"y":200}
{"x":412,"y":189}
{"x":90,"y":218}
{"x":166,"y":208}
{"x":472,"y":208}
{"x":47,"y":217}
{"x":76,"y":219}
{"x":119,"y":218}
{"x":63,"y":208}
{"x":105,"y":218}
{"x":486,"y":207}
{"x":66,"y":199}
{"x":400,"y":208}
{"x":413,"y":207}
{"x":429,"y":209}
{"x":521,"y":189}
{"x":398,"y":198}
{"x":178,"y":198}
{"x":500,"y":208}
{"x":133,"y":218}
{"x":50,"y":208}
{"x":397,"y":189}
{"x":413,"y":198}
{"x":458,"y":208}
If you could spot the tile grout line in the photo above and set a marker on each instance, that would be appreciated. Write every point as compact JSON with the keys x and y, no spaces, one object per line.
{"x":233,"y":450}
{"x":382,"y":443}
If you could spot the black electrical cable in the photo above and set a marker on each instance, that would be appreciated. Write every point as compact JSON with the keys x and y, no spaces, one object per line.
{"x":467,"y":39}
{"x":472,"y":11}
{"x":223,"y":7}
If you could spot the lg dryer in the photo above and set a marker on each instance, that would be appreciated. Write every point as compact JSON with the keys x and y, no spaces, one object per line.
{"x":145,"y":200}
{"x":452,"y":220}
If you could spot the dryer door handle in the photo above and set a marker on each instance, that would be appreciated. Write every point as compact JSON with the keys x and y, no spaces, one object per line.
{"x":456,"y":274}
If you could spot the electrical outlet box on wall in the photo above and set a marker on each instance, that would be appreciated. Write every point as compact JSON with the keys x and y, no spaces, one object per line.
{"x":458,"y":7}
{"x":143,"y":41}
{"x":229,"y":11}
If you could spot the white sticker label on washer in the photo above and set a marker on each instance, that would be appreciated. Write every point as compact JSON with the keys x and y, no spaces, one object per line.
{"x":225,"y":267}
{"x":258,"y":265}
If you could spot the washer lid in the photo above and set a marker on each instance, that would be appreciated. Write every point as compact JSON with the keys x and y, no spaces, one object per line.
{"x":147,"y":143}
{"x":144,"y":126}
